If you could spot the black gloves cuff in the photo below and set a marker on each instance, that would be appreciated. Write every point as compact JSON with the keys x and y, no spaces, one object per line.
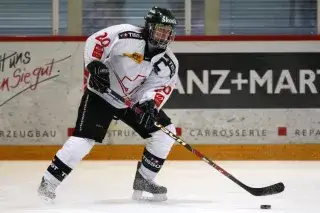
{"x":97,"y":67}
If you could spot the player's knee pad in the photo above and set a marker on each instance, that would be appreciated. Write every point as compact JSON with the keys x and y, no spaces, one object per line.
{"x":74,"y":150}
{"x":160,"y":143}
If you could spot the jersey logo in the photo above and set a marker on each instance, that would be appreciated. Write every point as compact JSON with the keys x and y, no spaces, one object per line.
{"x":136,"y":57}
{"x":130,"y":34}
{"x":167,"y":62}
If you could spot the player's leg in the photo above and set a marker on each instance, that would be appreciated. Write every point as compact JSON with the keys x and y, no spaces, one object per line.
{"x":154,"y":155}
{"x":94,"y":118}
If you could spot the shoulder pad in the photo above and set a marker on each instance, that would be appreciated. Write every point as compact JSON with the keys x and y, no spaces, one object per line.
{"x":130,"y":34}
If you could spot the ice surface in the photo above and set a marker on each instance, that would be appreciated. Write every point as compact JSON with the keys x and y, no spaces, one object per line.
{"x":193,"y":187}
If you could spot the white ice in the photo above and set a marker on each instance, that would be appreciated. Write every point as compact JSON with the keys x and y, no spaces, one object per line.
{"x":193,"y":187}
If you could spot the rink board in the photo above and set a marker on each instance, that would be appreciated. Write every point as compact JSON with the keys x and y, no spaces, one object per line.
{"x":178,"y":152}
{"x":234,"y":99}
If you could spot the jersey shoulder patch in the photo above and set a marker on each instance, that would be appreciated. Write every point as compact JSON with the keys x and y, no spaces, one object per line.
{"x":131,"y":34}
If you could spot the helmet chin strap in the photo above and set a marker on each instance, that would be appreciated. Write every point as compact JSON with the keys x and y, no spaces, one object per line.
{"x":152,"y":47}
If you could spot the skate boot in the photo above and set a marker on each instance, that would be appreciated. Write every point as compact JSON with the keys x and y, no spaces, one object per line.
{"x":141,"y":185}
{"x":46,"y":190}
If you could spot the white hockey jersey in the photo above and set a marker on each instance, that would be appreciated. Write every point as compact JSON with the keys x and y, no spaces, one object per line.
{"x":121,"y":48}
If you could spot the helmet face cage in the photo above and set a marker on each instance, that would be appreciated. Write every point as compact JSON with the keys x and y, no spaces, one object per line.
{"x":161,"y":35}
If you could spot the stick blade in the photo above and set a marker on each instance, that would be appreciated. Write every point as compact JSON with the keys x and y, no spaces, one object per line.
{"x":269,"y":190}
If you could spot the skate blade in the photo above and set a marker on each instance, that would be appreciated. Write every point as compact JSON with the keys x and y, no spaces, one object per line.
{"x":46,"y":199}
{"x":137,"y":195}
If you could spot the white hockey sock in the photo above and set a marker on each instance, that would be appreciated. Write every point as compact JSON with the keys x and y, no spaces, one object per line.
{"x":71,"y":153}
{"x":155,"y":153}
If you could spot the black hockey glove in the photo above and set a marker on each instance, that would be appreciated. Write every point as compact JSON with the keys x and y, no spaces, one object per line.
{"x":99,"y":79}
{"x":148,"y":117}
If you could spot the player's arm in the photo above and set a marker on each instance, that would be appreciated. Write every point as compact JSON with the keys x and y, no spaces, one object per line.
{"x":154,"y":93}
{"x":97,"y":49}
{"x":159,"y":85}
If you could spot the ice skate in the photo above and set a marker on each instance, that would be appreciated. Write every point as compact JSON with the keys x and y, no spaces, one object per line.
{"x":46,"y":190}
{"x":142,"y":185}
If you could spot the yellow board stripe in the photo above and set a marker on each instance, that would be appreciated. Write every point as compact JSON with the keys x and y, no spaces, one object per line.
{"x":178,"y":152}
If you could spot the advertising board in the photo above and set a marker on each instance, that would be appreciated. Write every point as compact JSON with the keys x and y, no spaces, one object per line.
{"x":40,"y":85}
{"x":237,"y":92}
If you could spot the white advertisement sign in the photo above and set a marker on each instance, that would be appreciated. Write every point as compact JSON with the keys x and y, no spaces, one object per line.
{"x":40,"y":85}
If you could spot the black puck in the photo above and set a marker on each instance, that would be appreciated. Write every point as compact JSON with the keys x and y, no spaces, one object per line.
{"x":265,"y":207}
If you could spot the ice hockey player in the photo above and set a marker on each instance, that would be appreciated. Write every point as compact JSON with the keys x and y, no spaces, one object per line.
{"x":137,"y":63}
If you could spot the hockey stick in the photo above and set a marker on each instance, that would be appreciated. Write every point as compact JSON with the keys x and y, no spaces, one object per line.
{"x":268,"y":190}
